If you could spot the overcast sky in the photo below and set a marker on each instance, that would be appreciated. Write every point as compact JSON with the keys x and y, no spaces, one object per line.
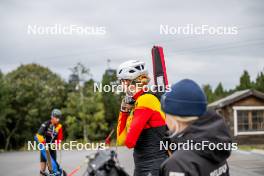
{"x":132,"y":28}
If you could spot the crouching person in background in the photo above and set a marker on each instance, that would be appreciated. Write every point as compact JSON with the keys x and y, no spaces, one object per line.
{"x":189,"y":122}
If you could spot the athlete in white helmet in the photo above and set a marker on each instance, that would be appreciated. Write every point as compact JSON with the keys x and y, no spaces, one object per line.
{"x":133,"y":75}
{"x":141,"y":122}
{"x":131,"y":69}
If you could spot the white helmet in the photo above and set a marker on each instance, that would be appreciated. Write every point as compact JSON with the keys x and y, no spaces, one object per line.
{"x":131,"y":69}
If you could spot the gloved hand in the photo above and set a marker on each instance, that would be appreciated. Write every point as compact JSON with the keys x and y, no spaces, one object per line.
{"x":127,"y":104}
{"x":129,"y":100}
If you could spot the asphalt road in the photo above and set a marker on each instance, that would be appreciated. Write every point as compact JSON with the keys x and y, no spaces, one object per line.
{"x":27,"y":163}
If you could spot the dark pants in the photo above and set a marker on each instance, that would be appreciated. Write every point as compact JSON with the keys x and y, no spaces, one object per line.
{"x":53,"y":154}
{"x":148,"y":168}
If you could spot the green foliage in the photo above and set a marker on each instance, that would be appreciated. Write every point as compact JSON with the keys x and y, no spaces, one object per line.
{"x":219,"y":92}
{"x":111,"y":100}
{"x":85,"y":113}
{"x":34,"y":91}
{"x":5,"y":109}
{"x":209,"y":93}
{"x":73,"y":127}
{"x":245,"y":82}
{"x":84,"y":109}
{"x":259,"y":84}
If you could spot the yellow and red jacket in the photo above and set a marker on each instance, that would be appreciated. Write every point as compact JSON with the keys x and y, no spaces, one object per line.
{"x":48,"y":133}
{"x":145,"y":114}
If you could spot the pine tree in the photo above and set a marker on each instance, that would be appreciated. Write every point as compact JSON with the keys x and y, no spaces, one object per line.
{"x":245,"y":82}
{"x":209,"y":93}
{"x":259,"y":84}
{"x":219,"y":91}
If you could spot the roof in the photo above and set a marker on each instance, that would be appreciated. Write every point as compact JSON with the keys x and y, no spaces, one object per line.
{"x":236,"y":96}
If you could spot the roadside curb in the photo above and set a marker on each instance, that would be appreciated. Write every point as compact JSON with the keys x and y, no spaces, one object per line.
{"x":243,"y":152}
{"x":255,"y":151}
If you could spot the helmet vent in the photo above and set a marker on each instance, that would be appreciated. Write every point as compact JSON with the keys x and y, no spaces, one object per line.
{"x":138,"y":67}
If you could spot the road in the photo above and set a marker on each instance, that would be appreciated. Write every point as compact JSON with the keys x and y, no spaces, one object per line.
{"x":26,"y":163}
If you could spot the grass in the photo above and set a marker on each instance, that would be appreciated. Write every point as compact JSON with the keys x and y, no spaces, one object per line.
{"x":251,"y":147}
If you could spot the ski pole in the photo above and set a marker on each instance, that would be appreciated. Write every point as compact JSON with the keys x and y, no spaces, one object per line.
{"x":49,"y":161}
{"x":60,"y":156}
{"x":74,"y":171}
{"x":108,"y":139}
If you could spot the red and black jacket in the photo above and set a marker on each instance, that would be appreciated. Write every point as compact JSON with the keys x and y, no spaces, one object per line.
{"x":143,"y":129}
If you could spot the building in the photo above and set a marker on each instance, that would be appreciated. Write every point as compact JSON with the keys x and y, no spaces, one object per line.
{"x":244,"y":114}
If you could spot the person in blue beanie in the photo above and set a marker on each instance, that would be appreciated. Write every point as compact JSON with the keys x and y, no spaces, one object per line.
{"x":202,"y":138}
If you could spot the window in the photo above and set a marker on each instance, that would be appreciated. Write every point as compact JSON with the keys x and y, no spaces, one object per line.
{"x":258,"y":120}
{"x":242,"y":120}
{"x":250,"y":120}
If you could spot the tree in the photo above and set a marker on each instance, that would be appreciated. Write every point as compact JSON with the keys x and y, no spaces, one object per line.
{"x":219,"y":91}
{"x":245,"y":82}
{"x":111,"y":100}
{"x":87,"y":113}
{"x":5,"y":109}
{"x":34,"y":91}
{"x":259,"y":84}
{"x":95,"y":112}
{"x":209,"y":93}
{"x":84,"y":107}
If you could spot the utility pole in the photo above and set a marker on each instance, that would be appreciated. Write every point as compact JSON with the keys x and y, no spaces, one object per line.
{"x":79,"y":88}
{"x":81,"y":71}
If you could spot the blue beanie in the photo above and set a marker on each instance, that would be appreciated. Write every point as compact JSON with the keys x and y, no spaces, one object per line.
{"x":186,"y":98}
